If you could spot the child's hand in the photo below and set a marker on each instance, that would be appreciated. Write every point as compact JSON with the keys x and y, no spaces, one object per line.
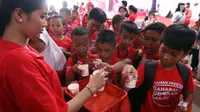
{"x":183,"y":106}
{"x":76,"y":68}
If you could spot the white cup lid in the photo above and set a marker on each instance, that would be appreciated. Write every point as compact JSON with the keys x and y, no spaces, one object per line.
{"x":73,"y":86}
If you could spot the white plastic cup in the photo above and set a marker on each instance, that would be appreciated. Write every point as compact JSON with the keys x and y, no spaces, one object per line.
{"x":85,"y":68}
{"x":73,"y":88}
{"x":95,"y":73}
{"x":131,"y":83}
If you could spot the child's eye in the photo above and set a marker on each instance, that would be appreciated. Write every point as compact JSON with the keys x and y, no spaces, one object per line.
{"x":42,"y":16}
{"x":146,"y":38}
{"x":174,"y":54}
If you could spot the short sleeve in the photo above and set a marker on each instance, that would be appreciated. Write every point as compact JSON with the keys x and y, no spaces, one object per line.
{"x":140,"y":75}
{"x":30,"y":87}
{"x":69,"y":66}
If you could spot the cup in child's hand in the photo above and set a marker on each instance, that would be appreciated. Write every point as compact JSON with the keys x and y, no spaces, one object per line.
{"x":85,"y":68}
{"x":95,"y":73}
{"x":131,"y":83}
{"x":73,"y":88}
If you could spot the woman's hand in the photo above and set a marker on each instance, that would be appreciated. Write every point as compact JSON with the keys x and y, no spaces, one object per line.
{"x":97,"y":81}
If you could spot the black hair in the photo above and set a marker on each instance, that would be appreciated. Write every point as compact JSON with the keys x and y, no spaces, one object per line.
{"x":80,"y":31}
{"x":75,"y":11}
{"x":52,"y":13}
{"x":75,"y":7}
{"x":59,"y":17}
{"x":122,"y":7}
{"x":116,"y":19}
{"x":106,"y":36}
{"x":66,"y":10}
{"x":157,"y":26}
{"x":129,"y":26}
{"x":146,"y":18}
{"x":133,"y":8}
{"x":98,"y":15}
{"x":124,"y":3}
{"x":179,"y":7}
{"x":188,"y":5}
{"x":178,"y":37}
{"x":8,"y":6}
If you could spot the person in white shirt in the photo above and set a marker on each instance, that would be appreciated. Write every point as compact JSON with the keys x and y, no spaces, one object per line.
{"x":179,"y":15}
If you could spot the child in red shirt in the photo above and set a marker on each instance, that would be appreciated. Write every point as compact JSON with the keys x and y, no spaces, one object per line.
{"x":82,"y":55}
{"x":75,"y":21}
{"x":89,"y":7}
{"x":96,"y":19}
{"x":133,"y":13}
{"x":57,"y":26}
{"x":151,"y":44}
{"x":128,"y":31}
{"x":167,"y":86}
{"x":66,"y":14}
{"x":117,"y":20}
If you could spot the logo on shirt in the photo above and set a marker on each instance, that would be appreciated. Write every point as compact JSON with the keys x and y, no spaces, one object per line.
{"x":166,"y":93}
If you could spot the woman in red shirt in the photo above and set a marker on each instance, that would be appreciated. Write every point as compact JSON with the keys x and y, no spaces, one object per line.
{"x":27,"y":82}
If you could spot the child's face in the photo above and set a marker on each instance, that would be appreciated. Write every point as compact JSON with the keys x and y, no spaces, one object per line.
{"x":126,"y":39}
{"x":38,"y":45}
{"x":170,"y":57}
{"x":93,"y":25}
{"x":105,"y":51}
{"x":81,"y":45}
{"x":65,"y":16}
{"x":122,"y":12}
{"x":116,"y":27}
{"x":74,"y":14}
{"x":151,"y":42}
{"x":89,"y":8}
{"x":57,"y":27}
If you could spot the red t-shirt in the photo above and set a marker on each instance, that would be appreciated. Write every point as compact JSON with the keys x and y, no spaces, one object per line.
{"x":132,"y":17}
{"x":85,"y":20}
{"x":70,"y":63}
{"x":76,"y":23}
{"x":165,"y":93}
{"x":68,"y":31}
{"x":93,"y":40}
{"x":66,"y":43}
{"x":27,"y":82}
{"x":117,"y":40}
{"x":125,"y":53}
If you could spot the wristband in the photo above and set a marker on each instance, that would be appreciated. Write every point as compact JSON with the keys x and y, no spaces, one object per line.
{"x":90,"y":90}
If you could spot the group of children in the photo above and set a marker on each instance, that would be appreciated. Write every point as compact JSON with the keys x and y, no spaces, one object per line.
{"x":84,"y":44}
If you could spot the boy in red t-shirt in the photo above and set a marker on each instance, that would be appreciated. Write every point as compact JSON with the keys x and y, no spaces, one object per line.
{"x":128,"y":31}
{"x":151,"y":44}
{"x":57,"y":26}
{"x":66,"y":14}
{"x":117,"y":20}
{"x":105,"y":46}
{"x":167,"y":87}
{"x":133,"y":13}
{"x":75,"y":21}
{"x":81,"y":55}
{"x":96,"y":19}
